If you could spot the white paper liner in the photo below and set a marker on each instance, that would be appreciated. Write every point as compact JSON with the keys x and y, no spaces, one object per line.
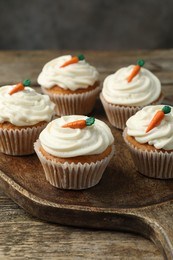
{"x":151,"y":163}
{"x":118,"y":115}
{"x":19,"y":141}
{"x":70,"y":175}
{"x":74,"y":104}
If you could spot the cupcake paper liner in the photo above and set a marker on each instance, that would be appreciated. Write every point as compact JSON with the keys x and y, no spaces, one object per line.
{"x":74,"y":104}
{"x":70,"y":175}
{"x":151,"y":163}
{"x":118,"y":115}
{"x":19,"y":141}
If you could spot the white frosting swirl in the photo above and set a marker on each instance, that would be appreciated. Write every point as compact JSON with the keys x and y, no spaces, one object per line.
{"x":73,"y":76}
{"x":25,"y":107}
{"x":144,"y":88}
{"x":68,"y":142}
{"x":161,"y":137}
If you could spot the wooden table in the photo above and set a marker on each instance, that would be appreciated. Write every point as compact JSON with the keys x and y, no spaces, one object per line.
{"x":23,"y":236}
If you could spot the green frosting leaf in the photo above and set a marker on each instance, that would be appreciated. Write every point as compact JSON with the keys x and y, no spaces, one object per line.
{"x":26,"y":82}
{"x":166,"y":109}
{"x":80,"y":56}
{"x":141,"y":63}
{"x":90,"y":121}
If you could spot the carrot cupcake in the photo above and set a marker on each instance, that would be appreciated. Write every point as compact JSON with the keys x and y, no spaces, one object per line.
{"x":149,"y":136}
{"x":74,"y":151}
{"x":71,"y":83}
{"x":23,"y":115}
{"x":127,"y":91}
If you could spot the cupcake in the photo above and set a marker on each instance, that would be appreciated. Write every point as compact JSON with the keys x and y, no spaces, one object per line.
{"x":149,"y":137}
{"x":23,"y":115}
{"x":74,"y":151}
{"x":71,"y":83}
{"x":128,"y":90}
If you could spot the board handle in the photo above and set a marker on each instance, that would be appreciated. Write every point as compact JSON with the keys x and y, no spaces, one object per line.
{"x":155,"y":223}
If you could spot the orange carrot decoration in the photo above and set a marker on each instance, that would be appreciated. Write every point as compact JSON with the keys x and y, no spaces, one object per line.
{"x":135,"y":70}
{"x":74,"y":59}
{"x":82,"y":123}
{"x":16,"y":88}
{"x":20,"y":86}
{"x":156,"y":120}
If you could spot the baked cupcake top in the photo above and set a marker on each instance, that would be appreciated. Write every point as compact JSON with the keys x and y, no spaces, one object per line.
{"x":24,"y":107}
{"x":78,"y":75}
{"x":142,"y":89}
{"x":65,"y":142}
{"x":160,"y":135}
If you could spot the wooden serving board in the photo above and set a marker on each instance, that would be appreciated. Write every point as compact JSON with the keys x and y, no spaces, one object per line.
{"x":124,"y":199}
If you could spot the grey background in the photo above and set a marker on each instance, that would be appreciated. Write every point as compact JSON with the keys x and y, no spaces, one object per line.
{"x":86,"y":24}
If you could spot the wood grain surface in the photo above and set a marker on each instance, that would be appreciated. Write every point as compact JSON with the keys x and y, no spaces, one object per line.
{"x":25,"y":237}
{"x":124,"y":200}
